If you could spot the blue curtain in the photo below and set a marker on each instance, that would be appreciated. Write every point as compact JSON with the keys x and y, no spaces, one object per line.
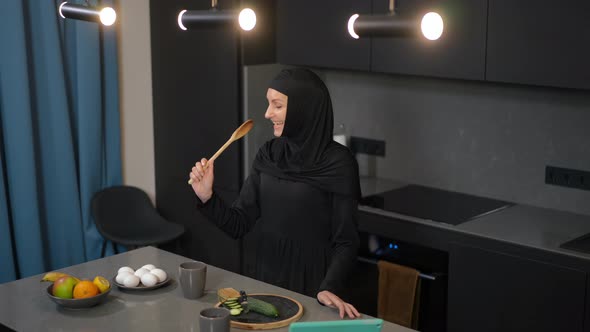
{"x":60,"y":135}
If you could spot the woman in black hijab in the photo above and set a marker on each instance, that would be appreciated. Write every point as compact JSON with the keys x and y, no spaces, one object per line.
{"x":302,"y":193}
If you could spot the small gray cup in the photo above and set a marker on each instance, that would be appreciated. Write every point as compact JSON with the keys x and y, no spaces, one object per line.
{"x":192,"y":276}
{"x":214,"y":320}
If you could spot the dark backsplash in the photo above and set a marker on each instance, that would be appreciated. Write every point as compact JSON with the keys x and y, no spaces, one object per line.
{"x":484,"y":139}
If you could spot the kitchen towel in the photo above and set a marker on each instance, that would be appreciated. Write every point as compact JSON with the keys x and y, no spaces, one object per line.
{"x":398,"y":294}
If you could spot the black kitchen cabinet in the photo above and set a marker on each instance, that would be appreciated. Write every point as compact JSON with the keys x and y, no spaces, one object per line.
{"x":459,"y":53}
{"x":258,"y":46}
{"x":196,"y":101}
{"x":539,"y":42}
{"x":314,"y":33}
{"x":491,"y":291}
{"x":587,"y":312}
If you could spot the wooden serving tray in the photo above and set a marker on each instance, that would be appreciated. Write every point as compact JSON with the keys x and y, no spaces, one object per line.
{"x":290,"y":310}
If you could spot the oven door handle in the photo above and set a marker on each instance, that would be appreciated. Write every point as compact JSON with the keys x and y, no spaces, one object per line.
{"x":432,"y":276}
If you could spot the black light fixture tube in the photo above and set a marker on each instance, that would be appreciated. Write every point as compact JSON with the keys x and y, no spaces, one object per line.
{"x":431,"y":25}
{"x":386,"y":26}
{"x":79,"y":12}
{"x":213,"y":17}
{"x":188,"y":19}
{"x":106,"y":15}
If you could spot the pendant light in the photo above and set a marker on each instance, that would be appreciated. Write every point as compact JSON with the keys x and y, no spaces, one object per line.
{"x":106,"y":15}
{"x":393,"y":25}
{"x":188,"y":19}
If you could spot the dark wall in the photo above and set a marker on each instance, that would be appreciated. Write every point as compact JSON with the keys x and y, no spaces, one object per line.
{"x":196,"y":98}
{"x":486,"y":139}
{"x":479,"y":138}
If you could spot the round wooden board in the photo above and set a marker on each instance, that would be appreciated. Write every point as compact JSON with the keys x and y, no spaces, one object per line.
{"x":290,"y":310}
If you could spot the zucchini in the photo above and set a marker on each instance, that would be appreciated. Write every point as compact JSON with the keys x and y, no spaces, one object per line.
{"x":229,"y":297}
{"x":262,"y":307}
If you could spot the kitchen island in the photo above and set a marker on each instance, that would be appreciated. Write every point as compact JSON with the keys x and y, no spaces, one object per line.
{"x":25,"y":306}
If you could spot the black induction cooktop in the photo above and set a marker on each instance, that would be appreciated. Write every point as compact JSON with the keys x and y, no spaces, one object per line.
{"x":434,"y":204}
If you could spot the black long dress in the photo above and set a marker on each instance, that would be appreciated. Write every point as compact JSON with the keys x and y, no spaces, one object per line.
{"x":308,"y":241}
{"x":303,"y":190}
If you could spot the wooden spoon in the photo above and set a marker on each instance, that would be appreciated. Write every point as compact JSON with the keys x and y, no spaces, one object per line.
{"x":238,"y":133}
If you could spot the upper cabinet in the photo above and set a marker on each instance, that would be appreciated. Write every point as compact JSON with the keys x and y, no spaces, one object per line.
{"x":539,"y":42}
{"x":314,"y":33}
{"x":533,"y":42}
{"x":459,"y":53}
{"x":258,"y":46}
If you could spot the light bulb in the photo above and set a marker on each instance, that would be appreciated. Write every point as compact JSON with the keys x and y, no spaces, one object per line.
{"x":432,"y":26}
{"x":180,"y":19}
{"x":351,"y":26}
{"x":247,"y":19}
{"x":59,"y":9}
{"x":108,"y":16}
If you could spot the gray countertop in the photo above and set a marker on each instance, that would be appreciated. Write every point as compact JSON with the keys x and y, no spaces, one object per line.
{"x":25,"y":306}
{"x":534,"y":227}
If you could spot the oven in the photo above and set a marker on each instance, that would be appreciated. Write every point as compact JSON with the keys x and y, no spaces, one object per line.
{"x":428,"y":204}
{"x":431,"y":263}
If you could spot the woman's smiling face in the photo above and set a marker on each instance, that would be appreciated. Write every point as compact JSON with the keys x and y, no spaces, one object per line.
{"x":277,"y":110}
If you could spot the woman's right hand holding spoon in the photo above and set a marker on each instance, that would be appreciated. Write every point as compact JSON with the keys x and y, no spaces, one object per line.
{"x":202,"y":179}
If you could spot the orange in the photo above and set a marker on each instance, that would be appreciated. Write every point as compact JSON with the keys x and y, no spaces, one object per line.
{"x":102,"y":284}
{"x":84,"y":289}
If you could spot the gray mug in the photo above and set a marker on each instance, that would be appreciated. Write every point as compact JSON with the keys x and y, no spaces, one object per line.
{"x":192,"y":276}
{"x":214,"y":320}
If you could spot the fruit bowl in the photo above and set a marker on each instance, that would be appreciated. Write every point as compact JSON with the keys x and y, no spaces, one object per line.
{"x":78,"y":303}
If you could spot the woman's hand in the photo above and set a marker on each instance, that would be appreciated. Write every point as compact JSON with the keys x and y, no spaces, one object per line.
{"x":332,"y":300}
{"x":202,"y":180}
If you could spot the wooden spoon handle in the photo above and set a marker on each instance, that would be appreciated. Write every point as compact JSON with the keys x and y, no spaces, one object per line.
{"x":221,"y":149}
{"x":242,"y":130}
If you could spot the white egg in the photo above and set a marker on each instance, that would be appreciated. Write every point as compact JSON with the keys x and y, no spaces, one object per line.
{"x":131,"y":281}
{"x":149,"y":266}
{"x":149,"y":279}
{"x":121,"y":277}
{"x":161,"y":274}
{"x":126,"y":269}
{"x":141,"y":272}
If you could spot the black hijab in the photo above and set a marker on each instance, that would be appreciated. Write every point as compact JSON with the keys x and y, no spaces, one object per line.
{"x":306,"y":151}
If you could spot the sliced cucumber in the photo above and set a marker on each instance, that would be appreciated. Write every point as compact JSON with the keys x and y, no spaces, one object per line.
{"x":235,"y":312}
{"x":232,"y":304}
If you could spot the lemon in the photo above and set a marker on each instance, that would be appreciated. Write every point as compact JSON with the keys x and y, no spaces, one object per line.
{"x":102,"y":284}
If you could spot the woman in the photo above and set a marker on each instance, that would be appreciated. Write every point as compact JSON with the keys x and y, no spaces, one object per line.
{"x":302,"y":191}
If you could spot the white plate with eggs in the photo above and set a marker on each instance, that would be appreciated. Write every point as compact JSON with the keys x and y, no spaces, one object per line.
{"x":147,"y":277}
